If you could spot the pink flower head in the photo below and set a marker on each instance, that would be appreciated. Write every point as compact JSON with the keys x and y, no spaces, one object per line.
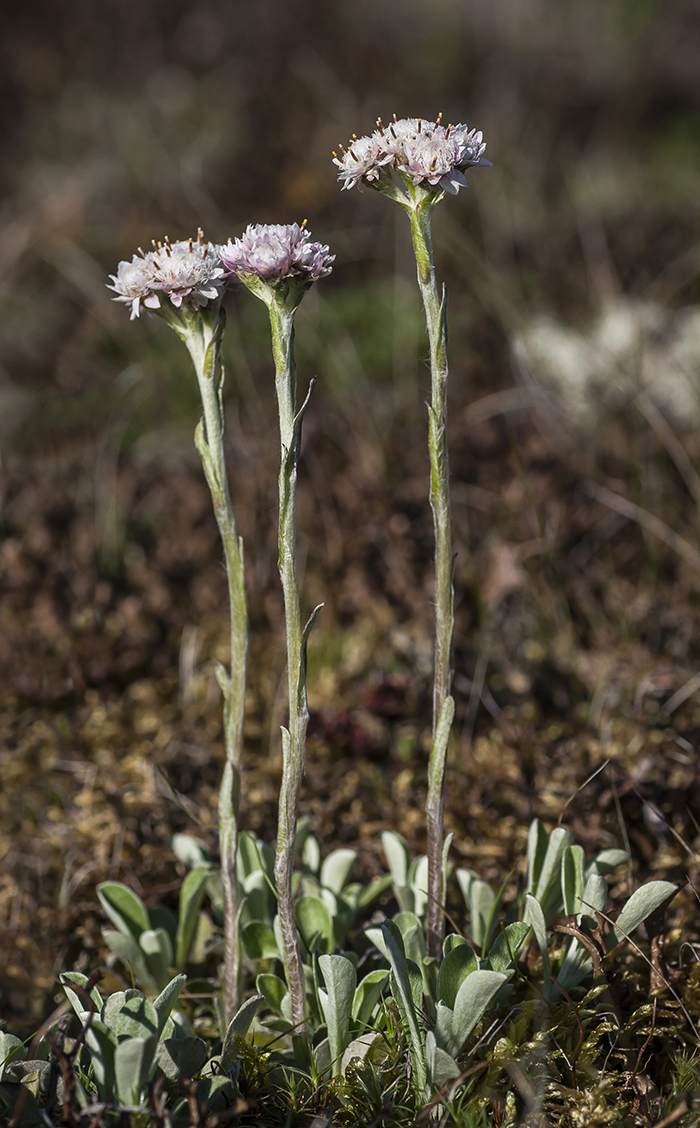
{"x":188,"y":269}
{"x":133,"y":284}
{"x":276,"y":251}
{"x":422,"y":151}
{"x":362,"y":160}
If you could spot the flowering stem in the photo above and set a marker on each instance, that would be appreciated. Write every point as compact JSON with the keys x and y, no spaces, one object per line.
{"x":202,"y":333}
{"x":443,"y":704}
{"x":294,"y":737}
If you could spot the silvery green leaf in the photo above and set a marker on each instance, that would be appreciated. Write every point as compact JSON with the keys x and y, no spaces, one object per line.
{"x":643,"y":902}
{"x":575,"y":966}
{"x":442,"y":1067}
{"x":306,"y":633}
{"x":414,"y":944}
{"x":369,"y":893}
{"x":537,"y":843}
{"x":548,"y":891}
{"x":78,"y":1000}
{"x":273,"y":988}
{"x":32,"y":1116}
{"x":572,"y":860}
{"x":535,"y":917}
{"x":418,"y":881}
{"x":505,"y":948}
{"x":341,"y":979}
{"x":128,"y":951}
{"x":215,"y":1092}
{"x":474,"y":996}
{"x":451,"y":941}
{"x":446,"y":867}
{"x":323,"y":1056}
{"x":161,"y":917}
{"x":367,"y":995}
{"x":396,"y":852}
{"x":336,"y":868}
{"x":191,"y":895}
{"x":190,"y":851}
{"x":238,"y":1027}
{"x":158,"y":950}
{"x":444,"y":1033}
{"x":311,"y":854}
{"x":126,"y":911}
{"x":595,"y":895}
{"x":257,"y":895}
{"x":113,"y":1004}
{"x":133,"y":1062}
{"x":406,"y":983}
{"x":248,"y":857}
{"x":181,"y":1057}
{"x":480,"y":899}
{"x":376,"y":937}
{"x":331,"y":902}
{"x":215,"y":892}
{"x":34,"y":1074}
{"x":405,"y":921}
{"x":177,"y":1025}
{"x":454,"y":969}
{"x":606,"y":861}
{"x":167,"y":999}
{"x":358,"y":1048}
{"x":314,"y":922}
{"x":11,"y":1050}
{"x":131,"y":1015}
{"x":405,"y":897}
{"x":259,"y":942}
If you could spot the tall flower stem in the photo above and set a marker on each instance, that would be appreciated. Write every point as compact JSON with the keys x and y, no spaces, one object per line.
{"x":435,"y":306}
{"x":293,"y":737}
{"x":201,"y":331}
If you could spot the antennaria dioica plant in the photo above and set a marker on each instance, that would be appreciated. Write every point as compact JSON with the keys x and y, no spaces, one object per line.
{"x":190,"y":274}
{"x":414,"y":162}
{"x":278,"y":264}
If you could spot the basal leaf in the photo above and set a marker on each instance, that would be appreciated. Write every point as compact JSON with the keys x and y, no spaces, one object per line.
{"x":126,"y":911}
{"x":454,"y":969}
{"x":191,"y":895}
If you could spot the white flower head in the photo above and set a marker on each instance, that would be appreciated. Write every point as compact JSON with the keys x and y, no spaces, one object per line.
{"x":274,"y":252}
{"x":133,"y":284}
{"x":424,"y":152}
{"x":187,"y":269}
{"x":362,"y":160}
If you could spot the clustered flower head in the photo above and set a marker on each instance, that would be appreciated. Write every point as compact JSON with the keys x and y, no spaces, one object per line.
{"x":426,"y":152}
{"x":273,"y":252}
{"x":187,"y":269}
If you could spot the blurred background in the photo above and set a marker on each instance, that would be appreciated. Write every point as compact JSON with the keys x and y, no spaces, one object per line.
{"x":572,"y":267}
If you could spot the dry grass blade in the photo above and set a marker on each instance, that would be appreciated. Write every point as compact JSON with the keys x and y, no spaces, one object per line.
{"x":672,"y":443}
{"x":647,"y":520}
{"x":680,"y":696}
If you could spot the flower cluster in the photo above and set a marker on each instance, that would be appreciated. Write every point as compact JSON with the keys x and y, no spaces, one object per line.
{"x":423,"y":151}
{"x":177,"y":270}
{"x":273,"y":252}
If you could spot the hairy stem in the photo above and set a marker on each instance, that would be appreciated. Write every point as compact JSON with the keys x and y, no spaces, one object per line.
{"x":293,"y":738}
{"x":203,"y":340}
{"x":443,"y":706}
